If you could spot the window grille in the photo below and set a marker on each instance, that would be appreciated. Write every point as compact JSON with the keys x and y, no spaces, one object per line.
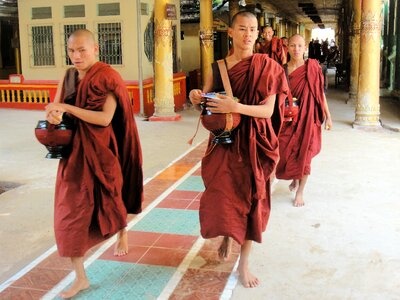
{"x":108,"y":9}
{"x":41,"y":13}
{"x":74,"y":11}
{"x":110,"y":44}
{"x":42,"y":45}
{"x":68,"y":30}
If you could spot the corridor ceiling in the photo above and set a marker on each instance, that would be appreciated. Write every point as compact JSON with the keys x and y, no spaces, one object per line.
{"x":8,"y":8}
{"x":305,"y":11}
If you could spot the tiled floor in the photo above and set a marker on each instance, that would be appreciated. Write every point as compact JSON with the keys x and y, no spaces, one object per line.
{"x":166,"y":259}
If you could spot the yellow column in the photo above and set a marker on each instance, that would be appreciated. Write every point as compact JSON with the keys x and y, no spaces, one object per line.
{"x":163,"y":66}
{"x":367,"y":108}
{"x":17,"y":61}
{"x":355,"y":51}
{"x":206,"y":37}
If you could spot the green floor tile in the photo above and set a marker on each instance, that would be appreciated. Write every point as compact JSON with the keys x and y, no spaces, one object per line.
{"x":192,"y":183}
{"x":174,"y":221}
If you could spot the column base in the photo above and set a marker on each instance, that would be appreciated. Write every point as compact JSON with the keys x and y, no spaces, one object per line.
{"x":165,"y":118}
{"x":368,"y":127}
{"x":352,"y":98}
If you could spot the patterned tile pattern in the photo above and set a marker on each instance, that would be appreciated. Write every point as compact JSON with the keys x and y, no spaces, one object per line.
{"x":175,"y":221}
{"x":192,"y":183}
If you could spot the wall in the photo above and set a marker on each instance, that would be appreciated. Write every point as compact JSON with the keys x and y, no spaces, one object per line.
{"x":127,"y":18}
{"x":190,"y":47}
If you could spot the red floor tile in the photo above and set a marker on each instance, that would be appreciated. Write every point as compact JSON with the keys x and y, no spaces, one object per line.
{"x":209,"y":260}
{"x":174,"y":203}
{"x":214,"y":243}
{"x":163,"y":257}
{"x":200,"y":281}
{"x":41,"y":279}
{"x":173,"y":241}
{"x":22,"y":294}
{"x":142,"y":238}
{"x":133,"y":256}
{"x":195,"y":296}
{"x":195,"y":205}
{"x":183,"y":195}
{"x":54,"y":261}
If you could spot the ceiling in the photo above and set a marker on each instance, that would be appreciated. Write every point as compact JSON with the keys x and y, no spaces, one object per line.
{"x":297,"y":10}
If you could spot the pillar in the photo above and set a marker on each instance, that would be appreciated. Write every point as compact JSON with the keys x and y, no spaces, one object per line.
{"x":391,"y":42}
{"x":206,"y":37}
{"x":163,"y":66}
{"x":355,"y":51}
{"x":385,"y":52}
{"x":397,"y":65}
{"x":367,"y":108}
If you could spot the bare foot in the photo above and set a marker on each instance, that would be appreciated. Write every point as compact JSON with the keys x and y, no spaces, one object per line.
{"x":298,"y":200}
{"x":294,"y":185}
{"x":246,"y":278}
{"x":76,"y":287}
{"x":121,"y":246}
{"x":224,"y":250}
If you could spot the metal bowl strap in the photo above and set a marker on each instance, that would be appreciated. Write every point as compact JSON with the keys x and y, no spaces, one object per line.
{"x":225,"y":78}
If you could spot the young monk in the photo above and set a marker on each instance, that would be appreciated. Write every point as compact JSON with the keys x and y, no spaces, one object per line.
{"x":300,"y":139}
{"x":272,"y":46}
{"x":101,"y":180}
{"x":236,"y":201}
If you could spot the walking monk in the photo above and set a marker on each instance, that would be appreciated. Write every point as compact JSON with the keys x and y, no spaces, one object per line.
{"x":236,"y":201}
{"x":300,"y":139}
{"x":272,"y":46}
{"x":101,"y":180}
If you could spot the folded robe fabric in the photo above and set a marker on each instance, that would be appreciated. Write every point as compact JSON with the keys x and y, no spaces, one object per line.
{"x":102,"y":179}
{"x":236,"y":200}
{"x":300,"y":140}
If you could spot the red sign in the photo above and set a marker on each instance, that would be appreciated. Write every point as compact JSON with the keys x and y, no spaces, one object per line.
{"x":170,"y":10}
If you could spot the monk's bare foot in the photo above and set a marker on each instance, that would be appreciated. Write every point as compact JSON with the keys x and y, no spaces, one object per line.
{"x":298,"y":200}
{"x":121,"y":246}
{"x":224,"y":250}
{"x":294,"y":185}
{"x":76,"y":287}
{"x":246,"y":278}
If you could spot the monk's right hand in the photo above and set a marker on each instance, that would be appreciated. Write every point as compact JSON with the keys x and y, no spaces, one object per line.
{"x":54,"y":117}
{"x":195,"y":96}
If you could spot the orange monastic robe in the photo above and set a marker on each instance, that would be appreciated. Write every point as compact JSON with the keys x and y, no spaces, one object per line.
{"x":274,"y":49}
{"x":300,"y":140}
{"x":101,"y":181}
{"x":236,"y":201}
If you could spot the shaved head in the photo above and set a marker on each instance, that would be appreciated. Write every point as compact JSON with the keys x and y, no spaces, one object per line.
{"x":83,"y":33}
{"x":297,"y":36}
{"x":244,"y":14}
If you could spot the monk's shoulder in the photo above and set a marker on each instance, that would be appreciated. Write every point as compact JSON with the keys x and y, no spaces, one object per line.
{"x":109,"y":76}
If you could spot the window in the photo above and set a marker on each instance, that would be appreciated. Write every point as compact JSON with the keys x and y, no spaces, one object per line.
{"x":41,"y":13}
{"x":74,"y":11}
{"x":110,"y":45}
{"x":42,"y":46}
{"x":108,"y":9}
{"x":68,"y":30}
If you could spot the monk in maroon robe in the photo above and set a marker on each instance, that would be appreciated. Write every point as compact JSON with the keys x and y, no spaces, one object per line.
{"x":272,"y":46}
{"x":300,"y":139}
{"x":236,"y":200}
{"x":101,"y":180}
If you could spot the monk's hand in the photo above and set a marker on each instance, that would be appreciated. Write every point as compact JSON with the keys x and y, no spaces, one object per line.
{"x":328,"y":123}
{"x":224,"y":104}
{"x":195,"y":96}
{"x":54,"y":112}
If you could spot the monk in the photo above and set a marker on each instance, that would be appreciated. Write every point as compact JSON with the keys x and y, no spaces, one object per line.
{"x":236,"y":200}
{"x":300,"y":139}
{"x":102,"y":179}
{"x":272,"y":46}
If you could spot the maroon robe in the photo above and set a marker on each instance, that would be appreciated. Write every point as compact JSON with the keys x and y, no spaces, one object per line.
{"x":274,"y":49}
{"x":236,"y":201}
{"x":101,"y":181}
{"x":300,"y":140}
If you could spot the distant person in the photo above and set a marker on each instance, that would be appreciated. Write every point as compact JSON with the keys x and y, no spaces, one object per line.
{"x":272,"y":46}
{"x":237,"y":196}
{"x":101,"y":180}
{"x":311,"y":49}
{"x":317,"y":50}
{"x":300,"y":139}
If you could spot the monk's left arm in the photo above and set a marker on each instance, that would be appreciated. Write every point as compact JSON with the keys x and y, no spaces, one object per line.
{"x":226,"y":105}
{"x":328,"y":119}
{"x":101,"y":118}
